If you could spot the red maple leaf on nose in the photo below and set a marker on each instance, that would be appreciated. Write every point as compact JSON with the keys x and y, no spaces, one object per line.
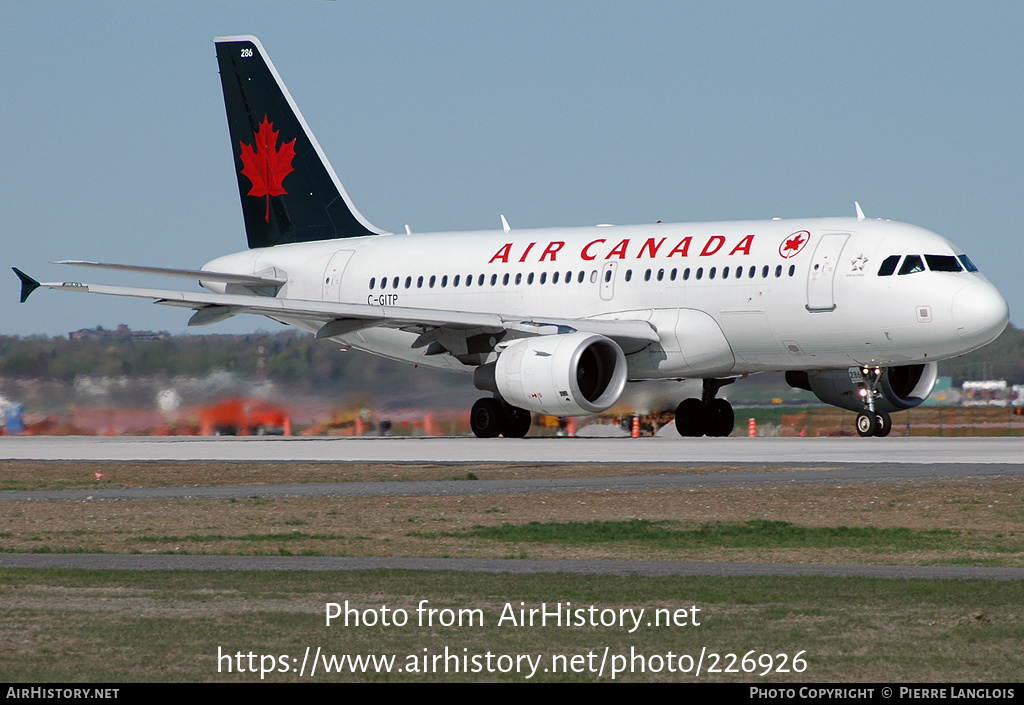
{"x":265,"y":165}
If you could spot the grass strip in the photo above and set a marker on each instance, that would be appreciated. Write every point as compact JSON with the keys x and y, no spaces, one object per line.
{"x":127,"y":626}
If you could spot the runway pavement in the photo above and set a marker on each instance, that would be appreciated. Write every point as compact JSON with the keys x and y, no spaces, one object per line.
{"x":914,"y":450}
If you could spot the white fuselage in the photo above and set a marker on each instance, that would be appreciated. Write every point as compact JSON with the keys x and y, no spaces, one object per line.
{"x":726,"y":298}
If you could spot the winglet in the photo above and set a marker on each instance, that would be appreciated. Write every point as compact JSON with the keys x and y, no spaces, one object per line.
{"x":504,"y":224}
{"x":28,"y":284}
{"x":860,"y":213}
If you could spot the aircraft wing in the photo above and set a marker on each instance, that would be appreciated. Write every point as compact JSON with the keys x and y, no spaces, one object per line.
{"x":341,"y":318}
{"x":270,"y":279}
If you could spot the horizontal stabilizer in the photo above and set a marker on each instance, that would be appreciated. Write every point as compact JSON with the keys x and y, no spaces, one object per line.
{"x":28,"y":284}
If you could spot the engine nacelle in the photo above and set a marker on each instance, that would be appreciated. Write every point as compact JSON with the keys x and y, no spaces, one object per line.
{"x":571,"y":374}
{"x":899,"y":387}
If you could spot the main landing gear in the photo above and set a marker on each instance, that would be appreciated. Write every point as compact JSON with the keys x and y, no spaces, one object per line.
{"x":869,"y":421}
{"x":492,"y":417}
{"x":706,"y":416}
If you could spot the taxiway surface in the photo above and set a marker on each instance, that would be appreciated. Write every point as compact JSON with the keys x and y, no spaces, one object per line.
{"x":877,"y":451}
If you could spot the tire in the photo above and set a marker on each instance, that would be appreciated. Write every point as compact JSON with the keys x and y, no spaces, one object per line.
{"x":867,"y":424}
{"x":487,"y":418}
{"x":884,"y":424}
{"x":517,"y":422}
{"x":720,"y":419}
{"x":691,"y":418}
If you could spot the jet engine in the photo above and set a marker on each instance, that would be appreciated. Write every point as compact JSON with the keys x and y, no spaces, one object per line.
{"x":899,"y":387}
{"x":570,"y":374}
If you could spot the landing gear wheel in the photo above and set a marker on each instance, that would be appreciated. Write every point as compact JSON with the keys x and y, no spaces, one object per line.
{"x":884,"y":424}
{"x":517,"y":422}
{"x":721,"y":419}
{"x":691,"y":416}
{"x":487,"y":418}
{"x":867,"y":423}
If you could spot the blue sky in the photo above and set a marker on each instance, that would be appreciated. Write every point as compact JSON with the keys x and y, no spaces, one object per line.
{"x":445,"y":115}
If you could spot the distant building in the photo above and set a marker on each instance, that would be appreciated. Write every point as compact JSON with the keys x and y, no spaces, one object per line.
{"x":121,"y":332}
{"x":989,"y":392}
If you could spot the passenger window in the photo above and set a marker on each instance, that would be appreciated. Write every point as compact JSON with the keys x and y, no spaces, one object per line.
{"x":711,"y":273}
{"x":394,"y":284}
{"x":383,"y":282}
{"x":661,"y":274}
{"x":647,"y":275}
{"x":580,"y":279}
{"x":455,"y":281}
{"x":672,"y":275}
{"x":529,"y":278}
{"x":792,"y":269}
{"x":700,"y":272}
{"x":764,"y":272}
{"x":725,"y":273}
{"x":753,"y":271}
{"x":408,"y":282}
{"x":912,"y":265}
{"x":778,"y":271}
{"x":943,"y":263}
{"x":629,"y":275}
{"x":686,"y":274}
{"x":968,"y":264}
{"x":889,"y":265}
{"x":444,"y":281}
{"x":543,"y":277}
{"x":419,"y":282}
{"x":480,"y":280}
{"x":519,"y":278}
{"x":433,"y":278}
{"x":373,"y":280}
{"x":494,"y":279}
{"x":504,"y":280}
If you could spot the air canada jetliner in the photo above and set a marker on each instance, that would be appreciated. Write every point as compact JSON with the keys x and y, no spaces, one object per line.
{"x":556,"y":321}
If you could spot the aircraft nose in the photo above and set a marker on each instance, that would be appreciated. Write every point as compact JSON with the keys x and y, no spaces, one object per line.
{"x":979,"y":313}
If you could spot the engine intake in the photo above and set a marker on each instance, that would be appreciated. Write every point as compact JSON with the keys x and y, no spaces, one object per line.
{"x":570,"y":374}
{"x":900,"y":387}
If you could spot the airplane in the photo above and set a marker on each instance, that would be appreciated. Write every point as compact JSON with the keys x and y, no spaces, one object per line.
{"x":557,"y":321}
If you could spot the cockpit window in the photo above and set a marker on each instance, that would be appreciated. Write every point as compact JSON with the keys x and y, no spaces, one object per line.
{"x":912,"y":265}
{"x":943,"y":263}
{"x":889,"y":265}
{"x":968,"y":264}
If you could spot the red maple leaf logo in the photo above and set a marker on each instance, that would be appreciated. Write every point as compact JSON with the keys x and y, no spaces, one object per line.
{"x":265,"y":165}
{"x":792,"y":245}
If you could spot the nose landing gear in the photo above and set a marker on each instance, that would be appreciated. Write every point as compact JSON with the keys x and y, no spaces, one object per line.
{"x":869,"y":421}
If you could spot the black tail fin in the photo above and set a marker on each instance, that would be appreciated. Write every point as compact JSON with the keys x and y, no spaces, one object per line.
{"x":289,"y":191}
